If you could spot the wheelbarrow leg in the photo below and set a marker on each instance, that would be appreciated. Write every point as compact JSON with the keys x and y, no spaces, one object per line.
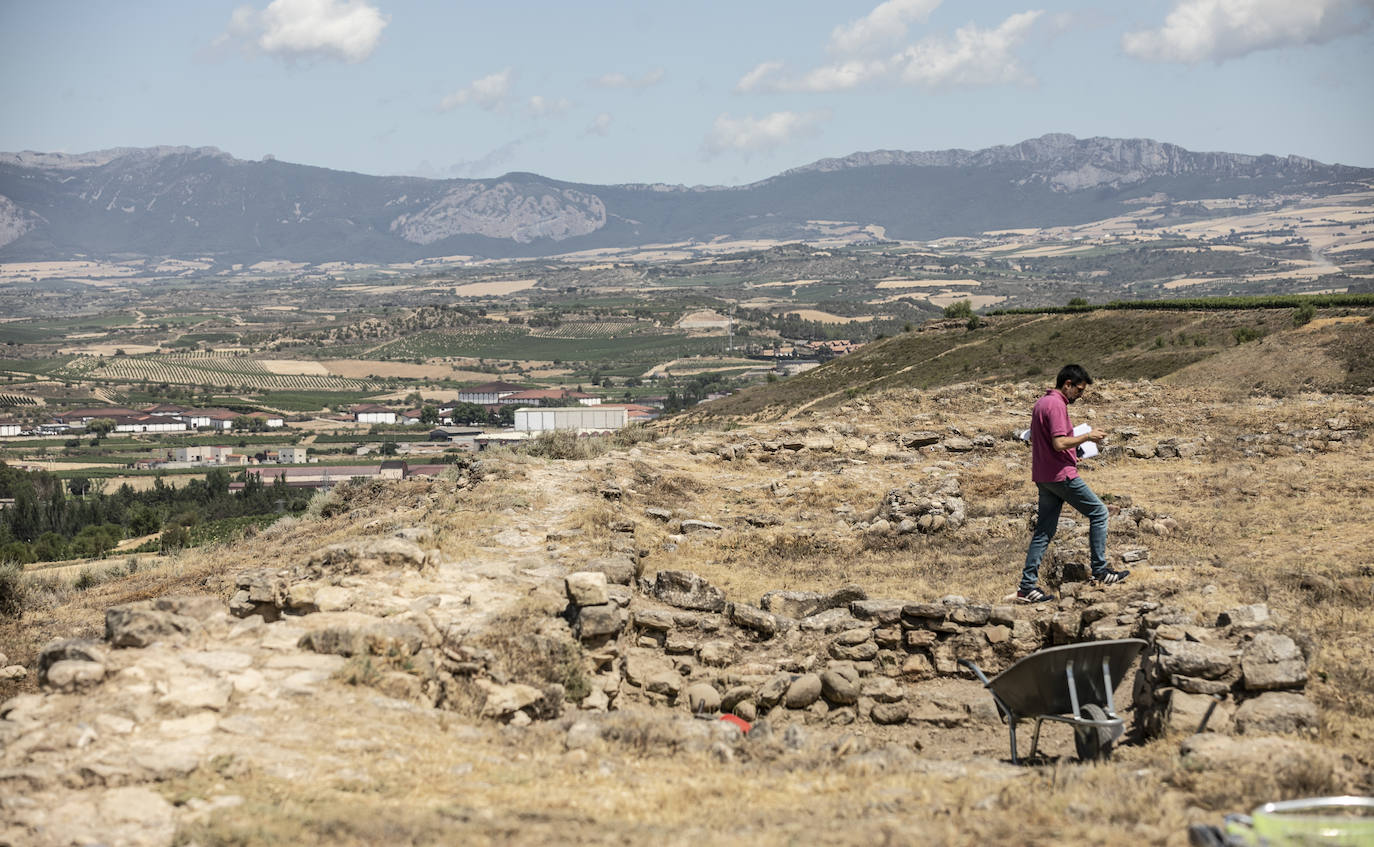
{"x":1035,"y":739}
{"x":1011,"y":726}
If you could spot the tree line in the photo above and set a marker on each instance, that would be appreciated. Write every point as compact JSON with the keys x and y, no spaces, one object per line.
{"x":48,"y":521}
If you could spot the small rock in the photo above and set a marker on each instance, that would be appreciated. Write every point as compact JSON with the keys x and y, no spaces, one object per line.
{"x":890,"y":713}
{"x":717,"y":653}
{"x":686,"y":590}
{"x":69,"y":675}
{"x":692,"y":526}
{"x":838,"y":688}
{"x":703,"y":699}
{"x":803,"y":691}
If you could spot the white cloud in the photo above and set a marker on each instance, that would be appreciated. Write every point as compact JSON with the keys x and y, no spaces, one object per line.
{"x":1198,"y":30}
{"x":620,"y":80}
{"x":600,"y":125}
{"x":304,"y":29}
{"x":760,"y":78}
{"x":755,"y":135}
{"x":883,"y":27}
{"x":972,"y":57}
{"x":549,"y":107}
{"x":489,"y":92}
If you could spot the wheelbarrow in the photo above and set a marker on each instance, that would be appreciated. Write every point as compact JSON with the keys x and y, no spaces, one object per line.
{"x":1072,"y":684}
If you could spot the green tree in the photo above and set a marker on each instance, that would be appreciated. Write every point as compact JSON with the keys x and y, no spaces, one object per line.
{"x":100,"y":427}
{"x":959,"y":309}
{"x":389,"y":448}
{"x":429,"y":415}
{"x":50,"y":547}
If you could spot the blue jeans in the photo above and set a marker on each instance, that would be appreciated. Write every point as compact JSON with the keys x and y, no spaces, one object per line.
{"x":1053,"y":496}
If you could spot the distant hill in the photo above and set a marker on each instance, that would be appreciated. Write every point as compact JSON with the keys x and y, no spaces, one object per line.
{"x":1331,"y":353}
{"x":201,"y":202}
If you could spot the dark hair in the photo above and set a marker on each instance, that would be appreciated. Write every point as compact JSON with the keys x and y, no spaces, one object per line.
{"x":1072,"y":373}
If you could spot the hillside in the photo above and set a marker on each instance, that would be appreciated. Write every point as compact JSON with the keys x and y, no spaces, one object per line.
{"x":1237,"y":350}
{"x":201,"y":202}
{"x":514,"y":653}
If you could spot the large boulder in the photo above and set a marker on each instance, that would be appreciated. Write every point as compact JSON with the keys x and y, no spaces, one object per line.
{"x":141,"y":623}
{"x":1277,"y":712}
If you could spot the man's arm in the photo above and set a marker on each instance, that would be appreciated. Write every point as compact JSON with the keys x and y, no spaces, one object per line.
{"x":1071,"y":442}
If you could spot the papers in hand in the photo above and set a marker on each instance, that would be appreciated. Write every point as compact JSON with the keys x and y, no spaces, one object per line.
{"x":1087,"y":449}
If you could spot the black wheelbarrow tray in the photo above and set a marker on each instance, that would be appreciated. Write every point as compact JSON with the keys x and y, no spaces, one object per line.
{"x":1073,"y":684}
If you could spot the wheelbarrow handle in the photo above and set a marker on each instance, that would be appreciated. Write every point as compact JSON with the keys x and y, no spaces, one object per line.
{"x":968,"y":663}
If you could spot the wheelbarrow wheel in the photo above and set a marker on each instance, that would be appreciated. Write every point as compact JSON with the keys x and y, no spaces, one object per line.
{"x":1093,"y":742}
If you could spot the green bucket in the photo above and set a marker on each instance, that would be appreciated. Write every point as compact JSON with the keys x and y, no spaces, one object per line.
{"x":1314,"y":822}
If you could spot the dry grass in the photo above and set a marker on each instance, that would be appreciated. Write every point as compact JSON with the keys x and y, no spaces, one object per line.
{"x":1287,"y":528}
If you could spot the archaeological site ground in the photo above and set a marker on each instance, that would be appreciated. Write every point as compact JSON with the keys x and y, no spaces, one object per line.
{"x":540,"y":646}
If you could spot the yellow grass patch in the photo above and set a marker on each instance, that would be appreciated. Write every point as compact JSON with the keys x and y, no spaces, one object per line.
{"x":900,"y":282}
{"x":829,"y":318}
{"x":24,"y":271}
{"x":493,"y":289}
{"x":294,"y":366}
{"x":362,"y":368}
{"x":976,"y":301}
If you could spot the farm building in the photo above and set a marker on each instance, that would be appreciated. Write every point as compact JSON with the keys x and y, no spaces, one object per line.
{"x":8,"y":428}
{"x":80,"y":417}
{"x":211,"y":418}
{"x":488,"y":394}
{"x":139,"y":422}
{"x":549,"y":397}
{"x":327,"y":476}
{"x":574,"y":418}
{"x":373,"y":413}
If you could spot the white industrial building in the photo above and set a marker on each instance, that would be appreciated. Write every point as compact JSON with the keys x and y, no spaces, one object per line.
{"x":574,"y":418}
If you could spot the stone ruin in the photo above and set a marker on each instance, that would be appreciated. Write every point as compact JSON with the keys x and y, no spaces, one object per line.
{"x":843,"y":657}
{"x":672,"y":640}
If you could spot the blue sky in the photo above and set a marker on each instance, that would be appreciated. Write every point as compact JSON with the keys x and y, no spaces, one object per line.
{"x":703,"y":93}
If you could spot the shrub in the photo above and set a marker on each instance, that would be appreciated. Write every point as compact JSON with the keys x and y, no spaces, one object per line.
{"x":90,"y":578}
{"x":12,"y":589}
{"x":1304,"y":314}
{"x":175,"y":537}
{"x":1243,"y":334}
{"x":17,"y":552}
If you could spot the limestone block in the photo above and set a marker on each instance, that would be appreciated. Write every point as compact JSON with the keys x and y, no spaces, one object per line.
{"x":1272,"y":661}
{"x":587,"y":588}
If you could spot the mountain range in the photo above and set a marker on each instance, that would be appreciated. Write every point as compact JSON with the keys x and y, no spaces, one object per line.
{"x":202,"y":202}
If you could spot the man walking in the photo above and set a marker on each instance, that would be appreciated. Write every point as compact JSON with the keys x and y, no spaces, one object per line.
{"x":1054,"y":470}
